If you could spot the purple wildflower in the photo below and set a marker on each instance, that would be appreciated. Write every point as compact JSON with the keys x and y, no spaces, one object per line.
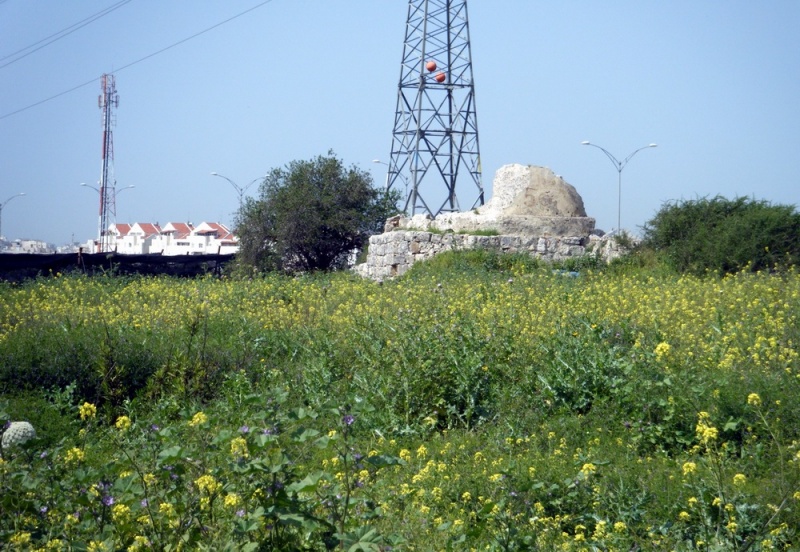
{"x":143,"y":503}
{"x":244,"y":429}
{"x":240,"y":512}
{"x":108,"y":500}
{"x":348,"y":419}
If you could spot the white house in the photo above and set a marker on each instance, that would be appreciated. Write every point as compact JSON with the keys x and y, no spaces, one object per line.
{"x":138,"y":239}
{"x":174,"y":238}
{"x":213,"y":238}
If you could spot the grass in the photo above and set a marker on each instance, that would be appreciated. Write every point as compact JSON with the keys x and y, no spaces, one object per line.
{"x":480,"y":402}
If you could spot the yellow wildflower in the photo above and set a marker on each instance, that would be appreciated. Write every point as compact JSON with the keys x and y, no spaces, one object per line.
{"x":239,"y":448}
{"x":689,"y":467}
{"x":21,"y":538}
{"x":198,"y":419}
{"x":739,"y":479}
{"x":684,"y":516}
{"x":87,"y":411}
{"x":662,"y":350}
{"x":207,"y":483}
{"x":123,"y":423}
{"x":74,"y":455}
{"x":232,"y":500}
{"x":120,"y":513}
{"x":753,"y":399}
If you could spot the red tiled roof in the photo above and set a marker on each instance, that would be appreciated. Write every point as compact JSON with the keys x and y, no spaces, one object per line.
{"x":148,"y":228}
{"x":122,"y":229}
{"x":178,"y":229}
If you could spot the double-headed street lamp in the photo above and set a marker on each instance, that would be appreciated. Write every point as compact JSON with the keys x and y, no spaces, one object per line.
{"x":103,"y":244}
{"x":239,"y":189}
{"x":2,"y":205}
{"x":619,"y":165}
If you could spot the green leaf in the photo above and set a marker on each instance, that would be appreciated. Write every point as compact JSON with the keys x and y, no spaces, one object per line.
{"x":302,"y":435}
{"x":171,"y":453}
{"x":307,"y":484}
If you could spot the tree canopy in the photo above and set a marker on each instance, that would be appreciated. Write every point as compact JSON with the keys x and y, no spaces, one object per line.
{"x":311,"y":215}
{"x":725,"y":235}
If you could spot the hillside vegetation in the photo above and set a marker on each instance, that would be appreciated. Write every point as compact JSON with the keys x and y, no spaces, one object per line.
{"x":481,"y":402}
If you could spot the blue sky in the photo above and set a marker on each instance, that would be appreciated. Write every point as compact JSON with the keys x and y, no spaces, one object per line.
{"x":716,"y":84}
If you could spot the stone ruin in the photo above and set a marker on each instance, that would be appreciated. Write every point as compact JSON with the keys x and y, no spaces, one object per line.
{"x":532,"y":211}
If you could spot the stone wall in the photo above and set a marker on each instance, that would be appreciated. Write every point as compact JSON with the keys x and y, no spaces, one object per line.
{"x":391,"y":254}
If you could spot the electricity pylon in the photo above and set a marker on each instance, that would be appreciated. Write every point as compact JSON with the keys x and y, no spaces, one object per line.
{"x":435,"y":137}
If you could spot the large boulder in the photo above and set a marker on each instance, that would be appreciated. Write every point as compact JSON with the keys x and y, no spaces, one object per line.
{"x":527,"y":201}
{"x":527,"y":190}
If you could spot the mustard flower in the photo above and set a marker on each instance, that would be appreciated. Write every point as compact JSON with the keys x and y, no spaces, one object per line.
{"x":207,"y":483}
{"x":123,"y":423}
{"x":684,"y":516}
{"x":87,"y":411}
{"x":739,"y":480}
{"x":405,"y":455}
{"x":139,"y":543}
{"x":753,"y":399}
{"x":74,"y":455}
{"x":198,"y":419}
{"x":620,"y":527}
{"x":662,"y":350}
{"x":120,"y":513}
{"x":689,"y":467}
{"x":239,"y":448}
{"x":588,"y":469}
{"x":20,"y":538}
{"x":232,"y":500}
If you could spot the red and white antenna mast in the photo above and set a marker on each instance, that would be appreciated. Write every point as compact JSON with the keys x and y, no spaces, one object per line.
{"x":107,"y":101}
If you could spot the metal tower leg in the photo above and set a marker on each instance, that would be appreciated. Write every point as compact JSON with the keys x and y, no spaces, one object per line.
{"x":435,"y":137}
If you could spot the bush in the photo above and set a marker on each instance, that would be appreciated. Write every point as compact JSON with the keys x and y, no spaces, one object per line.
{"x":725,"y":235}
{"x":312,"y":215}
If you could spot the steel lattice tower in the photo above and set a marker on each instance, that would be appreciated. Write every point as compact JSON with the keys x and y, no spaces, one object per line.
{"x":107,"y":101}
{"x":435,"y":138}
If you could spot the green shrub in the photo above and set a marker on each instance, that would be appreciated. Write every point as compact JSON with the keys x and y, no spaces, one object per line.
{"x":725,"y":235}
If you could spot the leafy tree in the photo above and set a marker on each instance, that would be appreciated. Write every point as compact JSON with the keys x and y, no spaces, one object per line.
{"x":311,"y":215}
{"x":725,"y":235}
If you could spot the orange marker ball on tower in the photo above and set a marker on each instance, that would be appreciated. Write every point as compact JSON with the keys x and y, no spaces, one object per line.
{"x":440,"y":77}
{"x":431,"y":66}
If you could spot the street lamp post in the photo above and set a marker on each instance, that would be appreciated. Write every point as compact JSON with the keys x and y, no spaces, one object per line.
{"x":2,"y":206}
{"x":100,"y":230}
{"x":619,"y":165}
{"x":239,"y":189}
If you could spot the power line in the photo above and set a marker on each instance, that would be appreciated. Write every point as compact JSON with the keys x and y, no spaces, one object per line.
{"x":60,"y":34}
{"x":131,"y":64}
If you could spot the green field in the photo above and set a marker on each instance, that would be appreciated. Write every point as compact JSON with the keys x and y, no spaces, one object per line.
{"x":478,"y":403}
